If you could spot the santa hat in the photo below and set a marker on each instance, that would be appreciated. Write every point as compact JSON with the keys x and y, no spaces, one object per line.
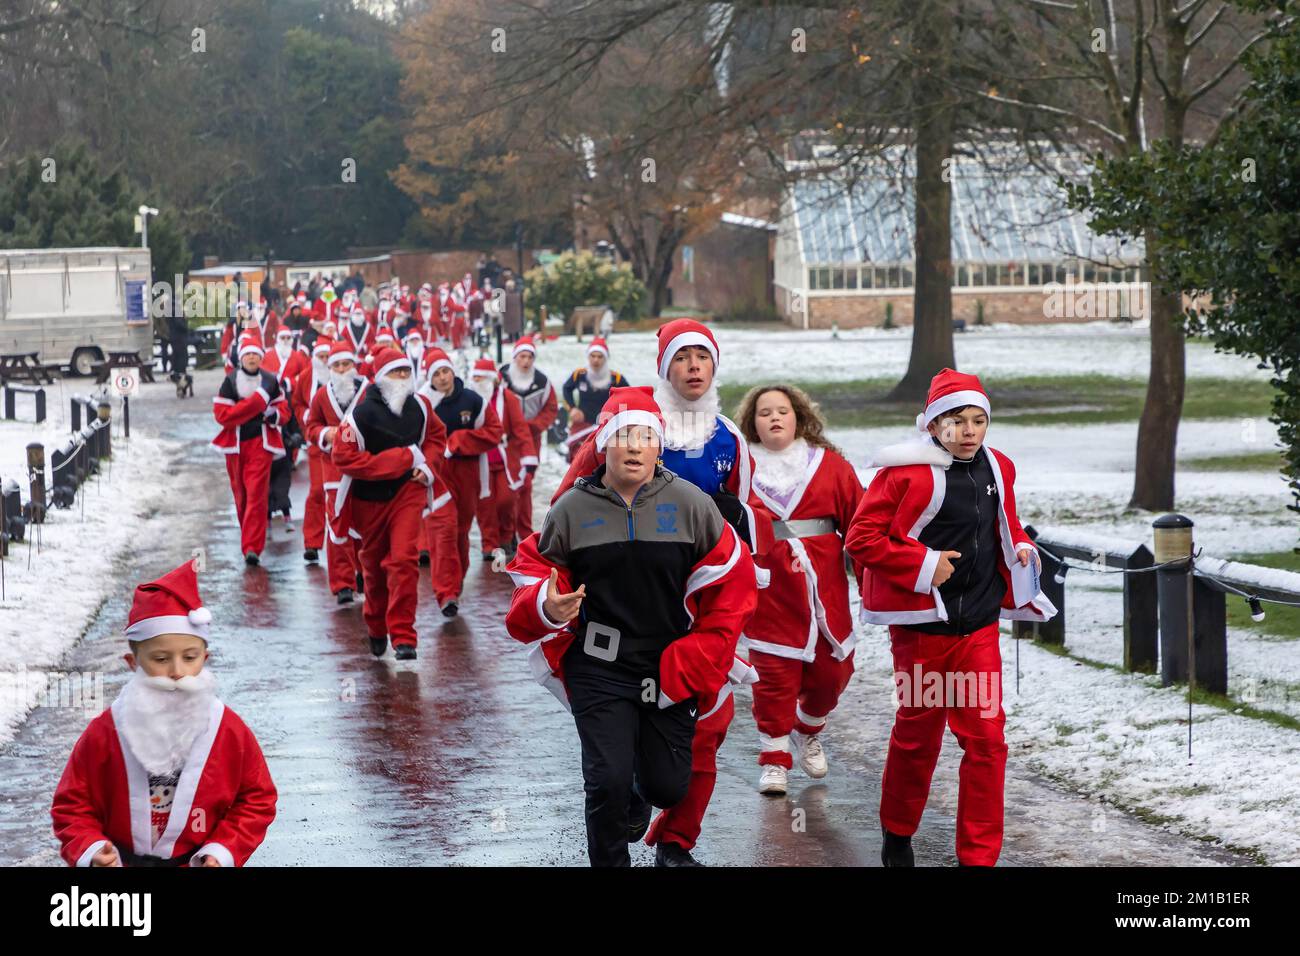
{"x":251,"y":342}
{"x":952,"y":389}
{"x":484,"y":368}
{"x":628,"y":406}
{"x":357,"y":310}
{"x":284,"y":332}
{"x":322,"y":345}
{"x":435,"y":359}
{"x":598,"y":345}
{"x":388,"y":359}
{"x":413,"y":335}
{"x":339,"y":351}
{"x":384,"y":336}
{"x":170,"y":605}
{"x":680,"y":333}
{"x":524,"y":344}
{"x":330,"y":328}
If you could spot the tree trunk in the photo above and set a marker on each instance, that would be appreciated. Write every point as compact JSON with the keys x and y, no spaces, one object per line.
{"x":1157,"y":439}
{"x":932,"y":348}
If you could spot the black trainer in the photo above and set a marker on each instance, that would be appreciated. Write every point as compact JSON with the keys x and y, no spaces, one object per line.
{"x":424,"y":559}
{"x":378,"y":645}
{"x":673,"y":854}
{"x":345,"y":596}
{"x":451,"y":610}
{"x":360,"y":588}
{"x":404,"y":652}
{"x":312,"y":555}
{"x":252,"y":560}
{"x":487,"y":557}
{"x":896,"y":850}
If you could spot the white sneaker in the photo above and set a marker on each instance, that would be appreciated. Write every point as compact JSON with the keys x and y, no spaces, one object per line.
{"x":808,"y":751}
{"x":773,"y":780}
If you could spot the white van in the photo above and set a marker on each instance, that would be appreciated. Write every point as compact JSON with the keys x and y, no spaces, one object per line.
{"x":74,"y":306}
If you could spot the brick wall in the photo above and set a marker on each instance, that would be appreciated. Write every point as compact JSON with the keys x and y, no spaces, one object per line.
{"x":731,"y":270}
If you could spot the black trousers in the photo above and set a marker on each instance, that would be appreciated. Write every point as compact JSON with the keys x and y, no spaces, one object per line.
{"x":633,"y":753}
{"x":281,"y":476}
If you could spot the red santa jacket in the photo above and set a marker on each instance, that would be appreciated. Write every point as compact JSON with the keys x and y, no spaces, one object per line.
{"x":467,"y":437}
{"x":362,"y":342}
{"x":222,"y":806}
{"x":739,"y":482}
{"x":231,"y":412}
{"x":325,"y":412}
{"x":517,"y":437}
{"x":349,"y":455}
{"x":808,"y":592}
{"x":898,"y":570}
{"x":305,"y":386}
{"x":719,"y":600}
{"x":288,"y":372}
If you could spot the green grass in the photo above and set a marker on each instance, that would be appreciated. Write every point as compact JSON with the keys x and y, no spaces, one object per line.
{"x":1279,"y":621}
{"x":1248,"y":461}
{"x":1033,"y":400}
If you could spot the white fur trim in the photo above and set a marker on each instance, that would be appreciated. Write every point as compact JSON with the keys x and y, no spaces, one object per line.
{"x":774,"y":744}
{"x":395,"y":364}
{"x":342,"y":356}
{"x":167,"y":624}
{"x":200,"y":615}
{"x":925,"y":579}
{"x":681,"y":341}
{"x":631,"y":416}
{"x":523,"y":347}
{"x":223,"y":856}
{"x":913,"y":452}
{"x":266,"y":396}
{"x":806,"y":718}
{"x":85,"y":858}
{"x":950,"y":401}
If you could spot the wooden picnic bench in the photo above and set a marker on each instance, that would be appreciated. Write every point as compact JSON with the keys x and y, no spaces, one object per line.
{"x":25,"y":367}
{"x":103,"y":370}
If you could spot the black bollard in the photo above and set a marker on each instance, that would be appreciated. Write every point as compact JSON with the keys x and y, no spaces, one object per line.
{"x":104,"y":412}
{"x":1173,"y":543}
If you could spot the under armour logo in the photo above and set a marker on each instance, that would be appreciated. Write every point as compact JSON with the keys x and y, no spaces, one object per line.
{"x":992,"y":489}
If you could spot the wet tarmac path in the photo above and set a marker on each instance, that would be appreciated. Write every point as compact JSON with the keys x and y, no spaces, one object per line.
{"x":459,"y":757}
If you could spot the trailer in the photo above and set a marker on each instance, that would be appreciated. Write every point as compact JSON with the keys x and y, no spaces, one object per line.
{"x":74,"y":306}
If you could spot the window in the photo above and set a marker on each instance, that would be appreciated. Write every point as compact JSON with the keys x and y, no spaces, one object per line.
{"x":977,"y":275}
{"x":1004,"y":275}
{"x":1033,"y":276}
{"x":812,"y":279}
{"x":851,"y":277}
{"x":963,"y":275}
{"x":837,"y":278}
{"x":1089,"y":272}
{"x":907,"y":278}
{"x":1062,"y":272}
{"x":894,"y":277}
{"x":867,"y":274}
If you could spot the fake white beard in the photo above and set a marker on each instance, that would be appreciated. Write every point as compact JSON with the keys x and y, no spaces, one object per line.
{"x":283,"y":349}
{"x":395,"y":391}
{"x":780,"y":471}
{"x":415,"y":353}
{"x":520,"y":381}
{"x":160,"y":718}
{"x":246,"y":384}
{"x":344,"y":385}
{"x":483,"y":385}
{"x":601,"y":379}
{"x":688,"y":425}
{"x":319,"y":368}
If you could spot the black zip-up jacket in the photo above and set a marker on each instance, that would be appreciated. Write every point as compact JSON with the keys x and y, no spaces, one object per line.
{"x":635,"y":561}
{"x":382,"y":430}
{"x":968,"y":522}
{"x":459,"y":409}
{"x":253,"y":427}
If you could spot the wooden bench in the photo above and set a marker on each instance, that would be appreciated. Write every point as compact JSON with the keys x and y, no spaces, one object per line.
{"x":103,"y":370}
{"x":25,"y":367}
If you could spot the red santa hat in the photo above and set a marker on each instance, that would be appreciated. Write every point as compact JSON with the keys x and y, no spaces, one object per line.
{"x":357,"y":310}
{"x":598,"y":345}
{"x":628,"y":406}
{"x":523,"y":344}
{"x":321,"y":346}
{"x":250,"y":342}
{"x":952,"y":389}
{"x":484,"y":368}
{"x":680,"y":333}
{"x":384,"y":336}
{"x":435,"y":359}
{"x":388,"y":359}
{"x":169,"y":605}
{"x":414,"y":335}
{"x":341,"y":351}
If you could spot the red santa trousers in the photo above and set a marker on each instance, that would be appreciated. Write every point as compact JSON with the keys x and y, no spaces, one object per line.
{"x":447,"y":529}
{"x":313,"y":521}
{"x":390,"y":560}
{"x":681,"y":824}
{"x":458,"y":329}
{"x":250,"y":483}
{"x":341,"y":558}
{"x":524,"y":508}
{"x":496,"y":515}
{"x":966,"y":695}
{"x":795,"y":695}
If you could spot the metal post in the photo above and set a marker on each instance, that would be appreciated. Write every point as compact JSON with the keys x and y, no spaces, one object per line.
{"x":1173,"y":543}
{"x":126,"y":417}
{"x":76,"y":413}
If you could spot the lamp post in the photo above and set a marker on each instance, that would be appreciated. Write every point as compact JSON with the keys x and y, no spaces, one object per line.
{"x":145,"y":212}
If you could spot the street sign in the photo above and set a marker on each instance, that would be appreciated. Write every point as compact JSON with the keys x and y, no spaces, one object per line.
{"x":126,"y":382}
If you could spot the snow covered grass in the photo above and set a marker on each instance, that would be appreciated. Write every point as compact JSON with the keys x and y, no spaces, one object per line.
{"x":51,"y":594}
{"x":752,"y":355}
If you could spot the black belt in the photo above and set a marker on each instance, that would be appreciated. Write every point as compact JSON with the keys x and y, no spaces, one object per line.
{"x":141,"y":859}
